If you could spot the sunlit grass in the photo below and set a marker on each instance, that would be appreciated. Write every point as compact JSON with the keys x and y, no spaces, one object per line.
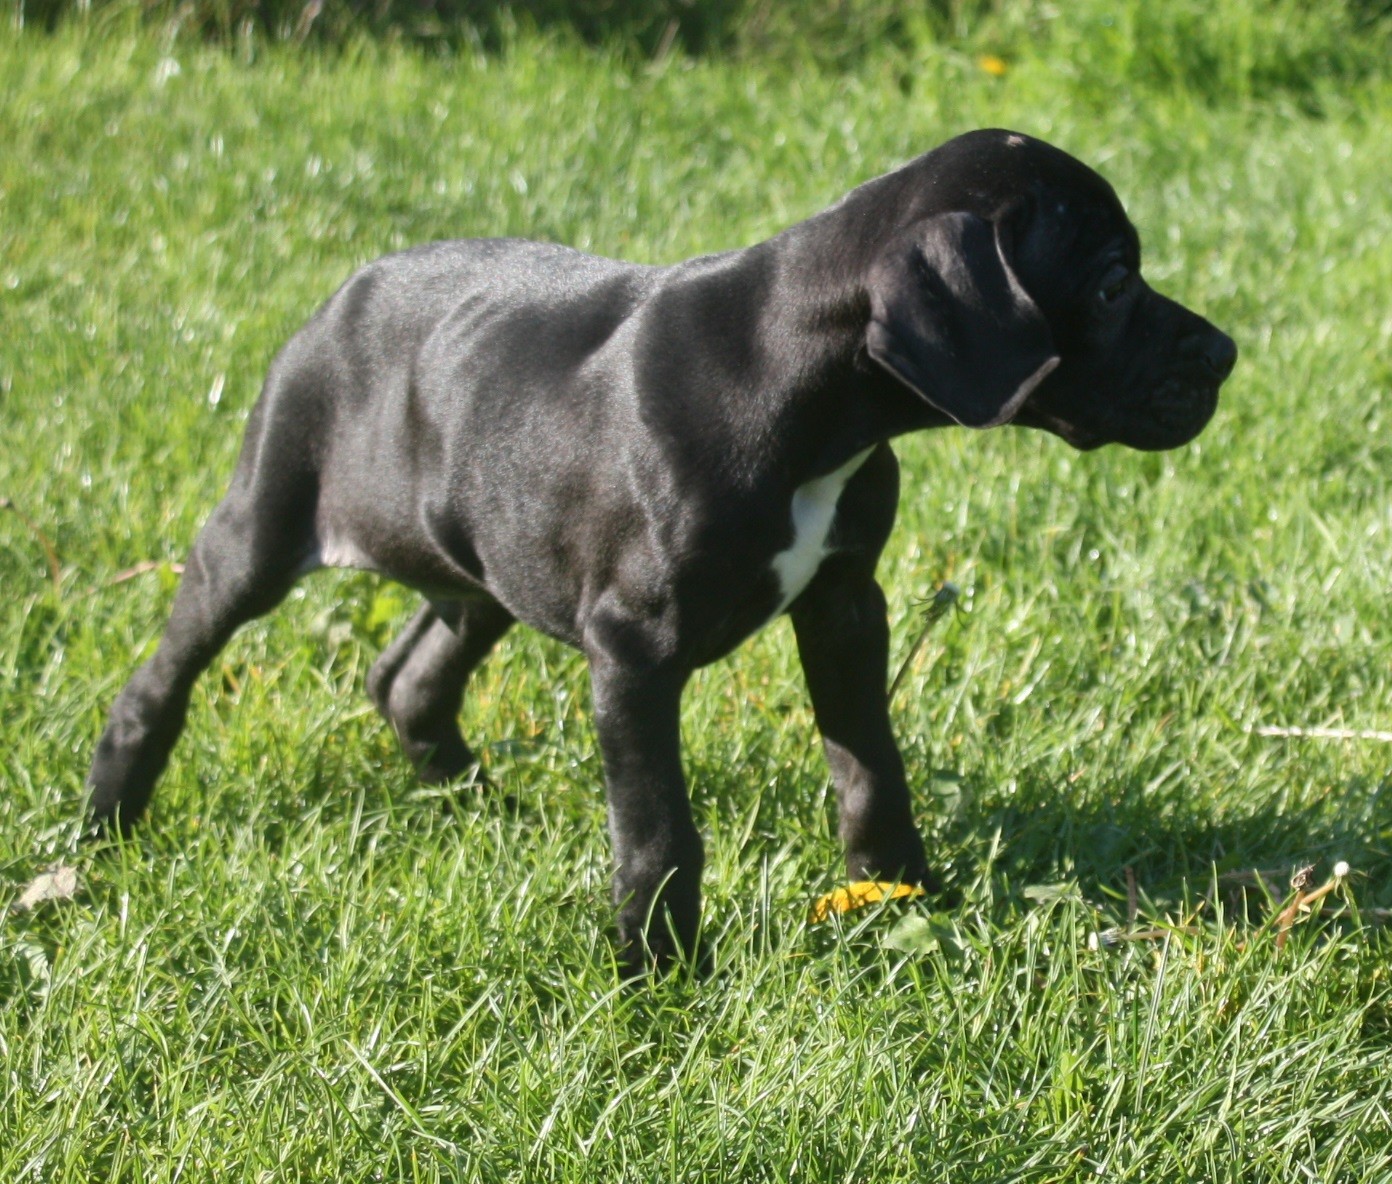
{"x":305,"y":969}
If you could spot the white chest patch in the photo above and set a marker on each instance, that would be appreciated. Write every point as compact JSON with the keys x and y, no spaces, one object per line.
{"x":813,"y":512}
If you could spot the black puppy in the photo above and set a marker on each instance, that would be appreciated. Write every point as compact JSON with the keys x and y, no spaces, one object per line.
{"x":651,"y":463}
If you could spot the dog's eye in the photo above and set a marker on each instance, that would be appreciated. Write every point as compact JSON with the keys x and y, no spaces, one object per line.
{"x":1114,"y":285}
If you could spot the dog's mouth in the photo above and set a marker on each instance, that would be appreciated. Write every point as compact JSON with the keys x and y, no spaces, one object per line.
{"x":1177,"y":412}
{"x":1172,"y":416}
{"x":1071,"y":434}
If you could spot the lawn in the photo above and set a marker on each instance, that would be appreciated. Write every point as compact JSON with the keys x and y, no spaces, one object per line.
{"x":304,"y":968}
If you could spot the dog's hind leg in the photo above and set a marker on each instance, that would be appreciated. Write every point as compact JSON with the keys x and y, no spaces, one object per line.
{"x":418,"y":682}
{"x":242,"y":564}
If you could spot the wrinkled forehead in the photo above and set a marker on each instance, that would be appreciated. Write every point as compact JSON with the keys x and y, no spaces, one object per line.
{"x":1058,"y":226}
{"x":1050,"y":197}
{"x":1073,"y":212}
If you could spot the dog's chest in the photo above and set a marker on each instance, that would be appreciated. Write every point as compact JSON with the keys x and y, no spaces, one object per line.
{"x":814,"y":514}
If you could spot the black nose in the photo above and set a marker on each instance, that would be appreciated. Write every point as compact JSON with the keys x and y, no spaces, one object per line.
{"x":1220,"y":354}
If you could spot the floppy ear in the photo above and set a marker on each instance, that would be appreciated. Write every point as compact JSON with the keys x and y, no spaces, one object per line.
{"x":949,"y":319}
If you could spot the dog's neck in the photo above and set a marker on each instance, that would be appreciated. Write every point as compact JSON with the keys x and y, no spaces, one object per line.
{"x":822,"y":264}
{"x":795,"y":311}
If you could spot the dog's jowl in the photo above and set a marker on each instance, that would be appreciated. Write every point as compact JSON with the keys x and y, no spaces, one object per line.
{"x":651,"y":462}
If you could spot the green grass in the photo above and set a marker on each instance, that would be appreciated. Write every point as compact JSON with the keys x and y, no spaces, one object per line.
{"x":303,"y":969}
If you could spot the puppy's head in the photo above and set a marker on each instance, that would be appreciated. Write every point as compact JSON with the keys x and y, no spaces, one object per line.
{"x":1012,"y":293}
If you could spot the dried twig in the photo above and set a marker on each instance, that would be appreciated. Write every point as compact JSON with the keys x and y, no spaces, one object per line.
{"x":1304,"y":898}
{"x":1298,"y":733}
{"x":308,"y":15}
{"x":55,"y":572}
{"x":666,"y":41}
{"x":146,"y":565}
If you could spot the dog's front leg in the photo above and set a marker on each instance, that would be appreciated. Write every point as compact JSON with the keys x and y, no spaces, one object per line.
{"x":657,"y":851}
{"x":843,"y":640}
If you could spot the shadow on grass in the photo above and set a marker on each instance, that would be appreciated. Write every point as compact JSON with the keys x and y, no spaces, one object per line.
{"x":1049,"y":834}
{"x":1049,"y":838}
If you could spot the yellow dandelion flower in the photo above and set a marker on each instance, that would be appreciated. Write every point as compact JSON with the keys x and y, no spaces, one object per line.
{"x":858,"y":895}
